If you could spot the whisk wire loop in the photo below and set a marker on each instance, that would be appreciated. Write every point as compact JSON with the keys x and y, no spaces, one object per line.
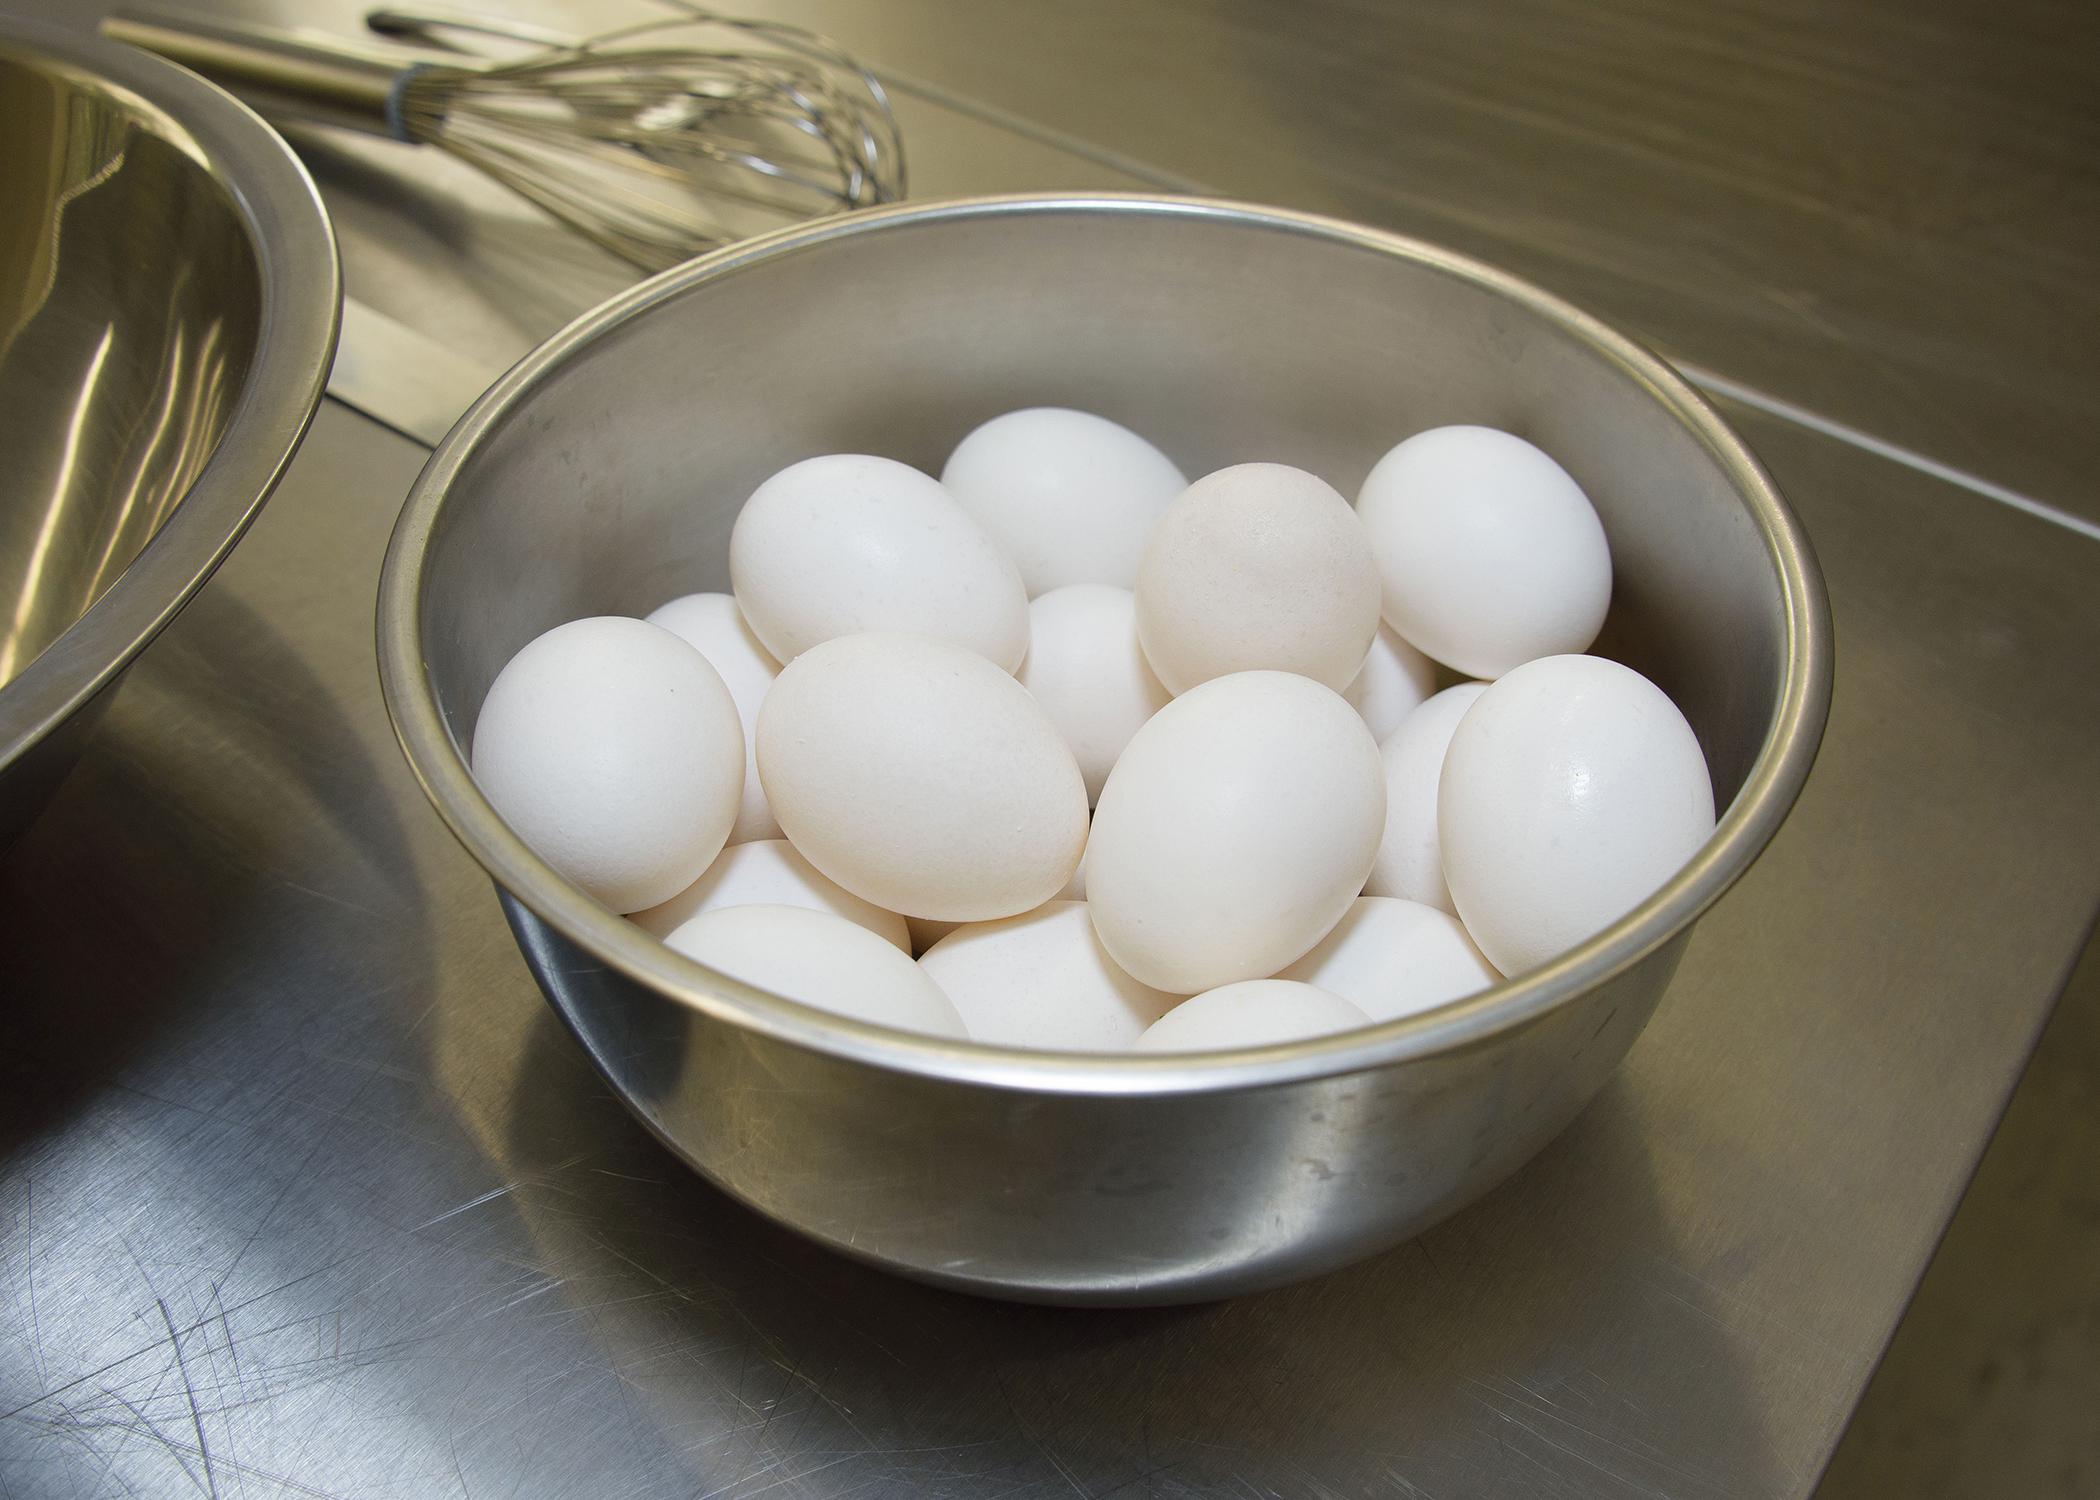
{"x":657,"y":149}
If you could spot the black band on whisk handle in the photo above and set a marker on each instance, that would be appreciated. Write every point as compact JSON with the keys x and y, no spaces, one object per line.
{"x":339,"y":81}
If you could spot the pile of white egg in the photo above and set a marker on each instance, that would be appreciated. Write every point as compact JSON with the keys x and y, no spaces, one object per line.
{"x":1130,"y":762}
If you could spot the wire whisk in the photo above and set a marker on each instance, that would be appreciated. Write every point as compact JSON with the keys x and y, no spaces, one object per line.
{"x":657,"y":140}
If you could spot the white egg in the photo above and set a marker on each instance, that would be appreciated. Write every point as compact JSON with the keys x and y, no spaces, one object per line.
{"x":1410,"y":861}
{"x":925,"y":932}
{"x":1085,"y":666}
{"x":1251,"y":1013}
{"x":1257,"y":567}
{"x":769,"y":872}
{"x":1042,"y":979}
{"x":713,"y":626}
{"x":921,"y":777}
{"x":1234,"y":832}
{"x":612,"y":748}
{"x":1395,"y":958}
{"x":1572,"y":791}
{"x":821,"y":960}
{"x":846,"y":543}
{"x":1396,"y":679}
{"x":1490,"y":554}
{"x":1069,"y":495}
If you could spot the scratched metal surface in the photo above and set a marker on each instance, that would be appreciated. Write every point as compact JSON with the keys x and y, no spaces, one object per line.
{"x":303,"y":1191}
{"x":1880,"y":209}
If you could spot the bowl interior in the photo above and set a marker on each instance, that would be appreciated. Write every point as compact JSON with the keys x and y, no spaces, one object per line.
{"x":131,"y":309}
{"x":609,"y":483}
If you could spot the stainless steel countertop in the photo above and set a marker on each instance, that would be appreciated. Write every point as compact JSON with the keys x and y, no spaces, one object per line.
{"x":303,"y":1190}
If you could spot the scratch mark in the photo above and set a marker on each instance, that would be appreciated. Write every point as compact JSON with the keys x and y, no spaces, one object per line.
{"x":1639,"y":1453}
{"x":276,"y":1203}
{"x":240,"y":1381}
{"x":1062,"y":1472}
{"x":175,"y":1450}
{"x":342,"y":901}
{"x":78,"y":1380}
{"x":541,"y":1290}
{"x":68,"y":1423}
{"x":492,"y":1193}
{"x":1115,"y":1489}
{"x":795,"y":1478}
{"x":1535,"y":1393}
{"x":196,"y":1417}
{"x":1704,"y":1312}
{"x":1401,"y":1479}
{"x":36,"y":1327}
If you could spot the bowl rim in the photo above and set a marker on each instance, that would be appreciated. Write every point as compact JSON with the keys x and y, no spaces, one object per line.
{"x":301,"y":294}
{"x":1768,"y":791}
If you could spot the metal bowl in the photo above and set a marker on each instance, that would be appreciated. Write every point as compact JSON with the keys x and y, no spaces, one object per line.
{"x":168,"y":305}
{"x":603,"y":473}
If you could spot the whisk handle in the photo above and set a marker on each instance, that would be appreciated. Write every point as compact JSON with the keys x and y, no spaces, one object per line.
{"x":335,"y":80}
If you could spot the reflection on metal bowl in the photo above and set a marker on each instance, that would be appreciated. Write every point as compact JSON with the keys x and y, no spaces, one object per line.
{"x":168,"y":306}
{"x":603,"y":473}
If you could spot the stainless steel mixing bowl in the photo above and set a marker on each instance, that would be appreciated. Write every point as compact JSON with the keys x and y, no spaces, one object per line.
{"x":602,"y":475}
{"x":168,"y":305}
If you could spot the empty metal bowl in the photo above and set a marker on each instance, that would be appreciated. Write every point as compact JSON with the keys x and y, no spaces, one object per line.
{"x":168,"y":305}
{"x":603,"y":473}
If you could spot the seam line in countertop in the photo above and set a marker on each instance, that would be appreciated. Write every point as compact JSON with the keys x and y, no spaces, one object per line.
{"x":1710,"y":381}
{"x":1707,"y":380}
{"x":1830,"y":427}
{"x":1044,"y":135}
